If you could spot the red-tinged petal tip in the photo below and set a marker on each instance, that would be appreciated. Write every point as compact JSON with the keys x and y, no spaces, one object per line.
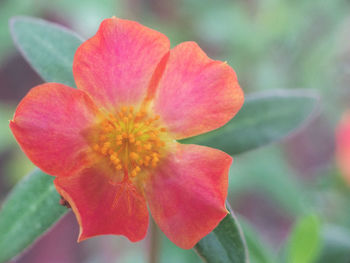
{"x":104,"y":206}
{"x":196,"y":94}
{"x":117,"y":64}
{"x":187,"y":193}
{"x":48,"y":125}
{"x":343,"y":146}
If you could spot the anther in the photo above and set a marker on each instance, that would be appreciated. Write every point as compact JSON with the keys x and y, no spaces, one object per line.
{"x":113,"y":157}
{"x":107,"y":144}
{"x":134,"y":156}
{"x":116,"y":161}
{"x":104,"y":151}
{"x":132,"y":135}
{"x":148,"y":146}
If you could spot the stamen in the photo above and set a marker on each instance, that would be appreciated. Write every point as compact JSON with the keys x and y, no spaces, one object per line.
{"x":132,"y":141}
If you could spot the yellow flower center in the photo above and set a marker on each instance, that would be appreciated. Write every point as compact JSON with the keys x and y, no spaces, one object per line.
{"x":132,"y":141}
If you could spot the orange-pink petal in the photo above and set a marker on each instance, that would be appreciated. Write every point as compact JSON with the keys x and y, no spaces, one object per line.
{"x":186,"y":193}
{"x":104,"y":206}
{"x":196,"y":94}
{"x":343,"y":146}
{"x":116,"y":65}
{"x":48,"y":125}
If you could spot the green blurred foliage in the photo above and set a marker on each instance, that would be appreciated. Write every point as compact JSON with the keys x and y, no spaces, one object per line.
{"x":271,"y":44}
{"x":38,"y":197}
{"x":270,"y":176}
{"x":305,"y":240}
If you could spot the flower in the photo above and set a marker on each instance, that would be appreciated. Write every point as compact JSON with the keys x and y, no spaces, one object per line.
{"x":111,"y":143}
{"x":343,"y":146}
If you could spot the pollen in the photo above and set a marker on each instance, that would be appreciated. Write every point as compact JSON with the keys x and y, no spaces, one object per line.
{"x":132,"y":141}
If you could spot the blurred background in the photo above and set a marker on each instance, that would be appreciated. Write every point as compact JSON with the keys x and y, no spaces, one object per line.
{"x":272,"y":44}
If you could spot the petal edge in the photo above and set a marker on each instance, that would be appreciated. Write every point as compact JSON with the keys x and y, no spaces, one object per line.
{"x":104,"y":207}
{"x":196,"y":94}
{"x":48,"y":123}
{"x":187,"y":193}
{"x":117,"y":64}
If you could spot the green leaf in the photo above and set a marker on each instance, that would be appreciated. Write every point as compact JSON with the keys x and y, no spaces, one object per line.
{"x":225,"y":244}
{"x":305,"y":240}
{"x":336,"y":245}
{"x":259,"y":252}
{"x":48,"y":48}
{"x":264,"y":118}
{"x":31,"y":209}
{"x":7,"y":9}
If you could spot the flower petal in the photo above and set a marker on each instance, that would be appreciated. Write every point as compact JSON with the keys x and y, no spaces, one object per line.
{"x":48,"y":125}
{"x":116,"y":65}
{"x":186,"y":194}
{"x":104,"y":207}
{"x":196,"y":94}
{"x":343,"y":146}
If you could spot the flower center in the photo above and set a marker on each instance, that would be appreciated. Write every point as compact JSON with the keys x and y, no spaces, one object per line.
{"x":132,"y":141}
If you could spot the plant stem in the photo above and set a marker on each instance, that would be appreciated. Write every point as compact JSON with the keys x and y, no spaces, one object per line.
{"x":154,"y":243}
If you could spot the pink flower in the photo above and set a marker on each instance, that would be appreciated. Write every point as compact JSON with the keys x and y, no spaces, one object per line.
{"x":111,"y":143}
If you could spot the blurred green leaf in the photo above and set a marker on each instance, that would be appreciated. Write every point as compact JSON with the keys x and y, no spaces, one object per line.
{"x":31,"y":209}
{"x":90,"y":13}
{"x":7,"y":9}
{"x":264,"y":118}
{"x":266,"y":173}
{"x":48,"y":47}
{"x":259,"y":252}
{"x":305,"y":240}
{"x":225,"y":244}
{"x":16,"y":167}
{"x":6,"y":138}
{"x":336,"y":245}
